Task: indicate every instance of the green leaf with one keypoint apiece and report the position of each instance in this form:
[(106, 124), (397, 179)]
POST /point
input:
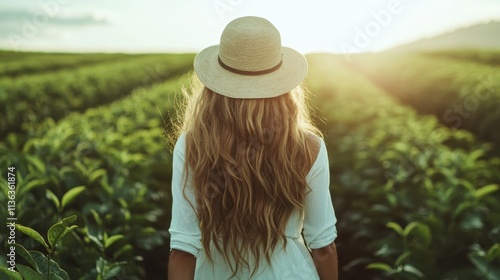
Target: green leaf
[(411, 269), (28, 273), (401, 258), (482, 265), (93, 235), (42, 266), (71, 195), (96, 216), (428, 184), (393, 201), (33, 234), (21, 251), (97, 174), (54, 198), (397, 228), (470, 187), (55, 276), (14, 275), (68, 220), (420, 231), (380, 266), (31, 185), (36, 162), (112, 270), (127, 248), (112, 239), (485, 191), (463, 206), (493, 253), (60, 229), (472, 220)]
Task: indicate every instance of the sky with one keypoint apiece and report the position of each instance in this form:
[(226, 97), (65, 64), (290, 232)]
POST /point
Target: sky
[(191, 25)]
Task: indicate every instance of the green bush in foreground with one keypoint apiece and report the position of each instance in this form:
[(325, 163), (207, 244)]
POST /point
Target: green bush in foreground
[(414, 199), (39, 266), (118, 154)]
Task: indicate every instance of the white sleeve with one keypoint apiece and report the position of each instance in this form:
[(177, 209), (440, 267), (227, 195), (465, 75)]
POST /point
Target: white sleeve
[(319, 215), (184, 228)]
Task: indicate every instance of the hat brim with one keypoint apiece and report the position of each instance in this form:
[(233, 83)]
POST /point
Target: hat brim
[(289, 75)]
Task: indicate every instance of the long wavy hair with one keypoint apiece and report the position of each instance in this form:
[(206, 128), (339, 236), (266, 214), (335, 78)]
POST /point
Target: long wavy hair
[(248, 159)]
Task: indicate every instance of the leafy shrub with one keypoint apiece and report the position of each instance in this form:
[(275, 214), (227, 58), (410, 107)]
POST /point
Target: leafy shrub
[(461, 94), (42, 62), (28, 100), (413, 198), (117, 152), (39, 266), (491, 57)]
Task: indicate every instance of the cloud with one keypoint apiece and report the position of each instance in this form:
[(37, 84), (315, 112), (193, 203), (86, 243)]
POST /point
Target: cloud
[(12, 21), (88, 19), (9, 17), (19, 26)]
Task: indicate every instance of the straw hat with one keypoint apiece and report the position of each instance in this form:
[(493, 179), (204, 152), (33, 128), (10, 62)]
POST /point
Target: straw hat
[(250, 62)]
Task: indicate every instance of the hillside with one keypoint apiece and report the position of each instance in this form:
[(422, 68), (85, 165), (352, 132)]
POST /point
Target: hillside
[(480, 36)]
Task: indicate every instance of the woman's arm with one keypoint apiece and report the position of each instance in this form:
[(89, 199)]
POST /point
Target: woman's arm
[(181, 265), (325, 260)]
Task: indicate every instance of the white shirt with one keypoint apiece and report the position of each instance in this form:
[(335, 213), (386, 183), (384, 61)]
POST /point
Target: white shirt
[(318, 222)]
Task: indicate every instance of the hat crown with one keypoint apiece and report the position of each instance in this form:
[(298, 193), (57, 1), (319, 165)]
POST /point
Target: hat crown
[(250, 44)]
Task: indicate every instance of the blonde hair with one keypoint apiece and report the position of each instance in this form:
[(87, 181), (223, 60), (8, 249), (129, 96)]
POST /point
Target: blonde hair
[(248, 159)]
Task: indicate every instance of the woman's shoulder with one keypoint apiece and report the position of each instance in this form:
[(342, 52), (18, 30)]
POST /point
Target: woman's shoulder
[(180, 143), (315, 142), (317, 147)]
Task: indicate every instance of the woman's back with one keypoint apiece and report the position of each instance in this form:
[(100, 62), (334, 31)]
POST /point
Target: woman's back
[(317, 220), (250, 169)]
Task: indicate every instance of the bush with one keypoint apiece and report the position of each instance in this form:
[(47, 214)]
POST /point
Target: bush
[(414, 199), (118, 156), (461, 94), (28, 100), (27, 63)]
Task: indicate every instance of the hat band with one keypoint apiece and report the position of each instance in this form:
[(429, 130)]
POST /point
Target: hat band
[(252, 73)]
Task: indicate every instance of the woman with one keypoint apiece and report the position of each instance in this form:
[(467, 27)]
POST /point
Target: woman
[(250, 171)]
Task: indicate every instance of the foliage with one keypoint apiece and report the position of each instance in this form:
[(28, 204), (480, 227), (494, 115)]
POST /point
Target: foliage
[(39, 266), (483, 56), (413, 198), (462, 94), (115, 160), (26, 63), (28, 100)]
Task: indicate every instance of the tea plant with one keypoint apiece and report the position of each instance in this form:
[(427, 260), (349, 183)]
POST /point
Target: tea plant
[(434, 186), (118, 153), (28, 100), (40, 266), (31, 63), (461, 94)]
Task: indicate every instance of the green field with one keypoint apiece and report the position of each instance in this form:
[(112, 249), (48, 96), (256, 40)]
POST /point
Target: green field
[(414, 180)]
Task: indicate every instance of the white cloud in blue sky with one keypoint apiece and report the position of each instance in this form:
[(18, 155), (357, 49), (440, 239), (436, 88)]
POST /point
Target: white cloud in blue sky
[(190, 25)]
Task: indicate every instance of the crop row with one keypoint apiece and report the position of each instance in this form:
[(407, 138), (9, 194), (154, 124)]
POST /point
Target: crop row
[(461, 94), (29, 99), (118, 153), (30, 64), (414, 199), (478, 56)]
